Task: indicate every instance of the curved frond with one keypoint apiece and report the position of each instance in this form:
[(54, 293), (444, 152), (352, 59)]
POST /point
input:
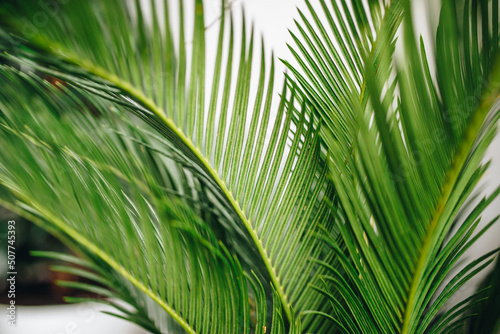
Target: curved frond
[(271, 190), (78, 174), (406, 147)]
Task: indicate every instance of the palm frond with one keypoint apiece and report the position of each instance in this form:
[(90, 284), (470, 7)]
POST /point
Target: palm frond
[(77, 174), (406, 149), (111, 50)]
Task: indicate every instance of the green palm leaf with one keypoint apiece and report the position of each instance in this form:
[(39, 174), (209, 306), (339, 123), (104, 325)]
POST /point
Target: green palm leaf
[(406, 153), (264, 190), (74, 173)]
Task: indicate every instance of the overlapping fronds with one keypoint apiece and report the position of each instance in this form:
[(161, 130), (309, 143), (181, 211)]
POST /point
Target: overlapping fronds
[(268, 191), (406, 143), (364, 235)]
